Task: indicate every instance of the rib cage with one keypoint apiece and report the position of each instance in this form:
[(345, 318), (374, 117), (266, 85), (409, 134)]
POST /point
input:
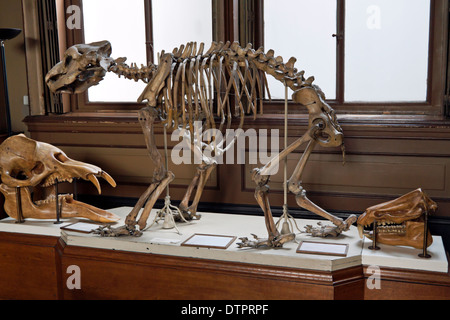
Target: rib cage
[(226, 81)]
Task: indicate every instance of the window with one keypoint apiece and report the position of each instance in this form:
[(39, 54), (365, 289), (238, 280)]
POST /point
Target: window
[(358, 50), (126, 32), (305, 32), (386, 50), (142, 24), (368, 56)]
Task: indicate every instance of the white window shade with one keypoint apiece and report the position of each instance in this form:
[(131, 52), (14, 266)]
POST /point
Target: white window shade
[(174, 22), (303, 29), (123, 24), (178, 22), (386, 54)]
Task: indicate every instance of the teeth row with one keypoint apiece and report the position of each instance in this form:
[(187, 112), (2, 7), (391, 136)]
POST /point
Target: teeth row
[(52, 198), (392, 229), (382, 223), (51, 180), (385, 223)]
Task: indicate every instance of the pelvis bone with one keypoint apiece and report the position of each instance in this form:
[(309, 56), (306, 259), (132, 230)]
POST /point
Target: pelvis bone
[(400, 221), (33, 168)]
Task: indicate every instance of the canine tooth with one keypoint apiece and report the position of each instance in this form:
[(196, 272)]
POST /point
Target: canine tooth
[(361, 231), (94, 180), (108, 178)]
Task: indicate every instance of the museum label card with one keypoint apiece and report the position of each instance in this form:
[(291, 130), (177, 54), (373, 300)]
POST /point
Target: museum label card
[(325, 248), (84, 227), (209, 241)]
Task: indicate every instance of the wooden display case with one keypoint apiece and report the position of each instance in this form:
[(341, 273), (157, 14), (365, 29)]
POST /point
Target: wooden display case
[(36, 256)]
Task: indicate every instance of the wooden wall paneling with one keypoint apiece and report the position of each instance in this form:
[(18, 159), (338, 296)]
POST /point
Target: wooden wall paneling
[(364, 176), (29, 267), (384, 160)]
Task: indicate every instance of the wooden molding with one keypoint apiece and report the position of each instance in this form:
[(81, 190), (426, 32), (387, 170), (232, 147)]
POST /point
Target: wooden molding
[(386, 157)]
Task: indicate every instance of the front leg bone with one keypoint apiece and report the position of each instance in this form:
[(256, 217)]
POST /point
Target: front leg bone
[(261, 178), (161, 178), (199, 181), (302, 200), (275, 239)]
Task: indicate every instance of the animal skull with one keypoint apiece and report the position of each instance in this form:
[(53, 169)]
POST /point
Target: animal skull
[(36, 166), (83, 66), (400, 221)]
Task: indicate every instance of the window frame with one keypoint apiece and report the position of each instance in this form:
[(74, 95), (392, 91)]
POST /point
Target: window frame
[(433, 105), (244, 20), (80, 102)]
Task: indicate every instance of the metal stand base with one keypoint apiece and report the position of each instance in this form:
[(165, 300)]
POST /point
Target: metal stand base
[(58, 211), (374, 240), (20, 218), (424, 253)]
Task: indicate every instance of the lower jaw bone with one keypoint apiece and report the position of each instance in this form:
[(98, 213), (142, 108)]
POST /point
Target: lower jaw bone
[(46, 209)]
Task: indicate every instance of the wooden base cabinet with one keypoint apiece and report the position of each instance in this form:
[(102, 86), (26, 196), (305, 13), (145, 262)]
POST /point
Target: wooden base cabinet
[(42, 267), (30, 266), (123, 275)]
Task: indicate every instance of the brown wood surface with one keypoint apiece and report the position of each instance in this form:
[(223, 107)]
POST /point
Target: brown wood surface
[(386, 158), (398, 284), (110, 274), (29, 266), (35, 267)]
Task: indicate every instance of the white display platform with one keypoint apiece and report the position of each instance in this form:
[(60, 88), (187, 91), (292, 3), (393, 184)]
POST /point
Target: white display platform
[(157, 240), (35, 226), (406, 257)]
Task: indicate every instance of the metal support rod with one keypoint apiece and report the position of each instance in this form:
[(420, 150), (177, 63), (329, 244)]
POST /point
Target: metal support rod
[(5, 84), (424, 253), (374, 240), (75, 189), (58, 211), (166, 157), (285, 141), (166, 212), (20, 218)]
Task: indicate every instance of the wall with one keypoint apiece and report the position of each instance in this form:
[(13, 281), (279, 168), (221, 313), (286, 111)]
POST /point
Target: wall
[(11, 17), (384, 160)]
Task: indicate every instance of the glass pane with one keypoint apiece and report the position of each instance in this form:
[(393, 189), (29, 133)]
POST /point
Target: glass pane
[(104, 21), (386, 54), (303, 29), (178, 22)]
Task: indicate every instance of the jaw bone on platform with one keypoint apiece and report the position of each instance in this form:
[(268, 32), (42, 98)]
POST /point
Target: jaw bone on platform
[(33, 168)]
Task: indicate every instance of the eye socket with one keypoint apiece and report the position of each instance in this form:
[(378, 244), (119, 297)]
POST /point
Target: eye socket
[(61, 157), (19, 175), (68, 60), (38, 168)]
